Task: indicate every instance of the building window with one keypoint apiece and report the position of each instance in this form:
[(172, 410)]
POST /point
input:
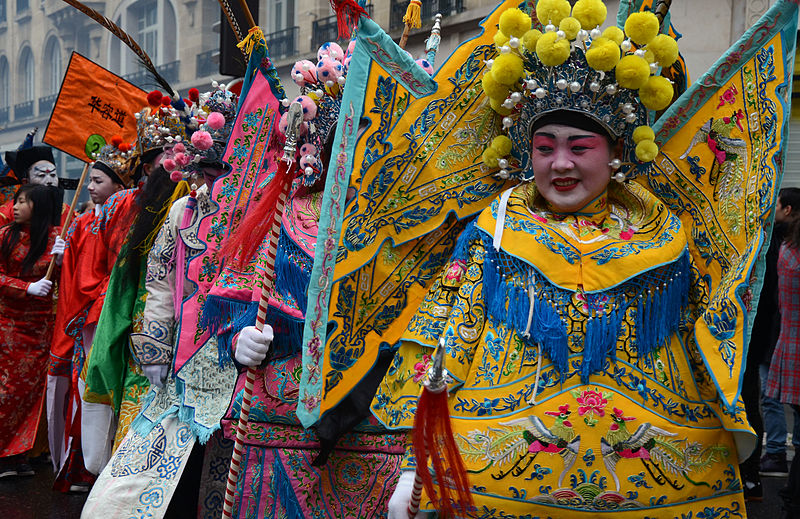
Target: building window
[(280, 13), (4, 97), (2, 11), (53, 67), (153, 25), (26, 76), (22, 6)]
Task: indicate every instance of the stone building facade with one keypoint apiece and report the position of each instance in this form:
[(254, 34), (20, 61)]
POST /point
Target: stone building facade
[(37, 38)]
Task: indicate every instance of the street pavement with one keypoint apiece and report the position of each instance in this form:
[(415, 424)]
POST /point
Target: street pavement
[(33, 498)]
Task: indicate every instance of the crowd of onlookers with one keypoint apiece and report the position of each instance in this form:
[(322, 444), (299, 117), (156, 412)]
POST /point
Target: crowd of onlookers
[(772, 377)]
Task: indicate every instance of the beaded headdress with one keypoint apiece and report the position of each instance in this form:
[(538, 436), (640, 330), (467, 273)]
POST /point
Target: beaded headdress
[(115, 160), (213, 114), (571, 65), (321, 86)]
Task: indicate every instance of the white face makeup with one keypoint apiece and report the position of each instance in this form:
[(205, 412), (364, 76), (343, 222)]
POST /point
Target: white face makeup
[(43, 172)]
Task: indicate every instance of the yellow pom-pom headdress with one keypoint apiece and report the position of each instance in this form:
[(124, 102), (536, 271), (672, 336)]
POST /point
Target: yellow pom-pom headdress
[(568, 63)]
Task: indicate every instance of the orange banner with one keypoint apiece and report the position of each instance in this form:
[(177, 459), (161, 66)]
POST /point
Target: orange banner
[(93, 105)]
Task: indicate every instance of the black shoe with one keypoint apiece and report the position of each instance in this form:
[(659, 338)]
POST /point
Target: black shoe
[(753, 491), (7, 470), (24, 469), (774, 465)]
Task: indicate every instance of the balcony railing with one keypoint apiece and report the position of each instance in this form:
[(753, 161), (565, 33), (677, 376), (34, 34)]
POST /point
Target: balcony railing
[(46, 104), (208, 63), (145, 81), (429, 10), (4, 115), (23, 110), (282, 43), (326, 29)]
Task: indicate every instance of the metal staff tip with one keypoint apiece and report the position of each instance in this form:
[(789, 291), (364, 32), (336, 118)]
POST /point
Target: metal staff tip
[(294, 118), (437, 375)]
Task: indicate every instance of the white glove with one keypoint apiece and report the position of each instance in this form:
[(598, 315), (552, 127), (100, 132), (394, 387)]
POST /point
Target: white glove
[(155, 373), (58, 247), (40, 288), (398, 504), (251, 346)]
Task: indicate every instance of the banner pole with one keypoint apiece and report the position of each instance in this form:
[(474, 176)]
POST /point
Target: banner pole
[(75, 197)]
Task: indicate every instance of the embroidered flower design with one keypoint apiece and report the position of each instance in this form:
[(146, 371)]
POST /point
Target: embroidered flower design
[(421, 368), (591, 402), (627, 234), (456, 271)]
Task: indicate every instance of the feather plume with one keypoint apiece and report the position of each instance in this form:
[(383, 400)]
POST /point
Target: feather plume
[(125, 38)]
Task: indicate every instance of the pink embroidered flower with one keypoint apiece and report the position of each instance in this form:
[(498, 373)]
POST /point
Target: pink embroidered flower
[(591, 402), (456, 271), (627, 234), (421, 368)]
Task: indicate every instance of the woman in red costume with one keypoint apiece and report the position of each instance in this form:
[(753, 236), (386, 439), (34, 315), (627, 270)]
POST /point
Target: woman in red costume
[(26, 320)]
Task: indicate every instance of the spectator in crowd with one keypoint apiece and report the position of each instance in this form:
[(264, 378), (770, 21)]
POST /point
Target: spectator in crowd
[(26, 320)]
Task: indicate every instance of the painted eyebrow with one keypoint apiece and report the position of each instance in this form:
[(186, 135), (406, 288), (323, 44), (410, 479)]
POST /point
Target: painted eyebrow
[(569, 139)]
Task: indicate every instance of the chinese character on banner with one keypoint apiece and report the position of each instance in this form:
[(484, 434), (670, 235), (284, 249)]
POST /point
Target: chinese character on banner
[(93, 105)]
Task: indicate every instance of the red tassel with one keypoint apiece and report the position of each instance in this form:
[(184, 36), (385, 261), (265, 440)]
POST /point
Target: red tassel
[(347, 14), (433, 438), (248, 235)]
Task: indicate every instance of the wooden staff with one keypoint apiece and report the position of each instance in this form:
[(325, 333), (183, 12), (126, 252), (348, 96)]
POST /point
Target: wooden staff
[(412, 20), (294, 119), (78, 190)]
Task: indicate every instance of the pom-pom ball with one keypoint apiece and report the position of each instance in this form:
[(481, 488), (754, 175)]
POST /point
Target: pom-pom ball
[(614, 34), (551, 50), (643, 133), (646, 151), (508, 68), (202, 140), (309, 107), (304, 73), (169, 164), (332, 50), (552, 11), (497, 106), (530, 38), (215, 120), (641, 27), (179, 148), (176, 176), (570, 26), (657, 92), (165, 101), (490, 157), (501, 145), (514, 22), (194, 95), (328, 69), (492, 88), (425, 65), (154, 98), (665, 49), (590, 13), (500, 38), (603, 54), (632, 72), (116, 140)]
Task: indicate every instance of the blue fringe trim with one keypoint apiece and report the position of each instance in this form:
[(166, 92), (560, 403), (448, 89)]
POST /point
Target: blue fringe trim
[(655, 301), (225, 317), (282, 487)]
